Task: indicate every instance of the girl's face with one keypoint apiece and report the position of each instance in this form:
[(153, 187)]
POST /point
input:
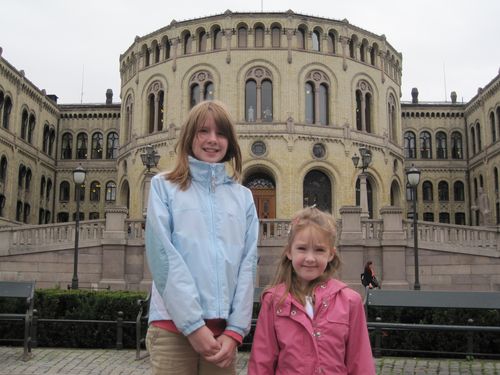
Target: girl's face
[(209, 144), (310, 253)]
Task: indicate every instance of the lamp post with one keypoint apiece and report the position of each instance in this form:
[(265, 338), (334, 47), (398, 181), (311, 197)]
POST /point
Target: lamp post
[(413, 176), (150, 157), (366, 159), (78, 178)]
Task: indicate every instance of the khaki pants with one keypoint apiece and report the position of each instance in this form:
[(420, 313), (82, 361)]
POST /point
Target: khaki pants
[(172, 354)]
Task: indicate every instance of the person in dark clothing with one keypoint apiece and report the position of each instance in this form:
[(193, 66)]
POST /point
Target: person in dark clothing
[(368, 278)]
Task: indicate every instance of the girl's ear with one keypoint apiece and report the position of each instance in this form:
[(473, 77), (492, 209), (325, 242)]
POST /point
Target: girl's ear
[(332, 253), (289, 255)]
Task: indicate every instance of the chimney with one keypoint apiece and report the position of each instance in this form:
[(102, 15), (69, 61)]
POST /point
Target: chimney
[(453, 97), (53, 97), (414, 95), (109, 96)]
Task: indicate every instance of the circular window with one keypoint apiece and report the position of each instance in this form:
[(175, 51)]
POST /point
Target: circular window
[(319, 151), (258, 148)]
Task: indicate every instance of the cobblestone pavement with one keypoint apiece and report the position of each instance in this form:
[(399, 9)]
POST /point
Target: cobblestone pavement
[(52, 361)]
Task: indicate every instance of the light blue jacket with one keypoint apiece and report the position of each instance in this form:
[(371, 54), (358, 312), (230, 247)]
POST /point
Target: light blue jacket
[(201, 246)]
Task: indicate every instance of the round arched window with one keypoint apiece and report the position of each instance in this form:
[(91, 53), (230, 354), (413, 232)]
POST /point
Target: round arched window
[(319, 151), (258, 148)]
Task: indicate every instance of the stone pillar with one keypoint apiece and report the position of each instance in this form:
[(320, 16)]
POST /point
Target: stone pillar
[(147, 185), (363, 196), (351, 245), (393, 275), (113, 249)]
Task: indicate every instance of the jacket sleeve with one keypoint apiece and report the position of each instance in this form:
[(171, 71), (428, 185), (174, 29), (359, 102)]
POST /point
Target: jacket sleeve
[(359, 359), (240, 315), (171, 276), (265, 349)]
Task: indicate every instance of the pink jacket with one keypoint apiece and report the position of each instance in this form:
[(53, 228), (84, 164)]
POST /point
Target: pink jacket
[(335, 342)]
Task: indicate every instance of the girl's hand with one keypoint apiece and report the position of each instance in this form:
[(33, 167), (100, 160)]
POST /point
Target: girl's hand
[(226, 355), (203, 342)]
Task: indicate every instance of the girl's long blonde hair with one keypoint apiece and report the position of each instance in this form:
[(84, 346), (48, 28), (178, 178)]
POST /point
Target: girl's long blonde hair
[(325, 223), (184, 147)]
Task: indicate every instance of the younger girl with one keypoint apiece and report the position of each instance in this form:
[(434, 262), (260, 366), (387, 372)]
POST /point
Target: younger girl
[(201, 243), (310, 323)]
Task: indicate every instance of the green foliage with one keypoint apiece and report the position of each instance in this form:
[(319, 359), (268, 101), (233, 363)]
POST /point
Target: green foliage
[(77, 305), (402, 341)]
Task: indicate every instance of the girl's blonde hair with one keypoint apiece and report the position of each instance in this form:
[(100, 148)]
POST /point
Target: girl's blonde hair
[(184, 147), (325, 223)]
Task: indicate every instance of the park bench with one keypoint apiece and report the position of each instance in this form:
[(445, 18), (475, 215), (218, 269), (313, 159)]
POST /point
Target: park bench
[(430, 299), (20, 290)]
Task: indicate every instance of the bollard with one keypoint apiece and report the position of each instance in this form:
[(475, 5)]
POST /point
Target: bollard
[(34, 324), (119, 331), (470, 342), (378, 338)]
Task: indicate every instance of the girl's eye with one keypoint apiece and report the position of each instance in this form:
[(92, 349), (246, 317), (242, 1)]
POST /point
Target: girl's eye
[(203, 130), (321, 250)]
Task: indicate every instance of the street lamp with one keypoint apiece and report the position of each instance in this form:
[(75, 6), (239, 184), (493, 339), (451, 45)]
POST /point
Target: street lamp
[(78, 178), (366, 159), (413, 176), (150, 157)]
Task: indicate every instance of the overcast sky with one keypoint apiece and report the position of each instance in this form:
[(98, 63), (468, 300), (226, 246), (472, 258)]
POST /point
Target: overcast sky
[(447, 45)]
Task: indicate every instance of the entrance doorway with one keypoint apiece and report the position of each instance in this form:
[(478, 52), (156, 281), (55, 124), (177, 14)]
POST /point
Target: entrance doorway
[(264, 194)]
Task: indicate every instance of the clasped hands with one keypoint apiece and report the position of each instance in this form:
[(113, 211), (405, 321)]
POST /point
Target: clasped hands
[(221, 350)]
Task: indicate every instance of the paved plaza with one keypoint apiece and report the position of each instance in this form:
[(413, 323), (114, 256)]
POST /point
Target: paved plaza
[(52, 361)]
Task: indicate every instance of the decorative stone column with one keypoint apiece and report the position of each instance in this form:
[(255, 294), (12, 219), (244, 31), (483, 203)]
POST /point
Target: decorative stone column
[(393, 267), (350, 241), (113, 249)]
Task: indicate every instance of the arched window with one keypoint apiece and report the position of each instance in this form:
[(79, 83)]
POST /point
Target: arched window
[(52, 139), (19, 211), (202, 41), (495, 179), (242, 37), (391, 115), (331, 41), (364, 104), (42, 187), (97, 140), (156, 96), (129, 117), (410, 147), (352, 52), (166, 46), (95, 191), (187, 43), (110, 191), (64, 191), (373, 54), (21, 176), (3, 169), (217, 38), (316, 37), (444, 217), (456, 145), (259, 95), (493, 127), (46, 137), (202, 87), (24, 124), (31, 128), (427, 191), (473, 140), (259, 37), (93, 215), (301, 38), (81, 146), (441, 146), (2, 204), (478, 135), (67, 146), (49, 189), (27, 183), (317, 189), (276, 36), (62, 217), (425, 145), (112, 146), (147, 55), (317, 98), (443, 192), (26, 213), (362, 50), (6, 112), (428, 216)]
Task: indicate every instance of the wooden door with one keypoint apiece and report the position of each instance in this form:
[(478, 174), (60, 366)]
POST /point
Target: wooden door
[(265, 202)]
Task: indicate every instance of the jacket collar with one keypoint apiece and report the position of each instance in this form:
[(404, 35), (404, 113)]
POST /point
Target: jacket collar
[(204, 172)]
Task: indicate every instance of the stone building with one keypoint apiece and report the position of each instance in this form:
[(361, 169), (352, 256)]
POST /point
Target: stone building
[(307, 93)]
